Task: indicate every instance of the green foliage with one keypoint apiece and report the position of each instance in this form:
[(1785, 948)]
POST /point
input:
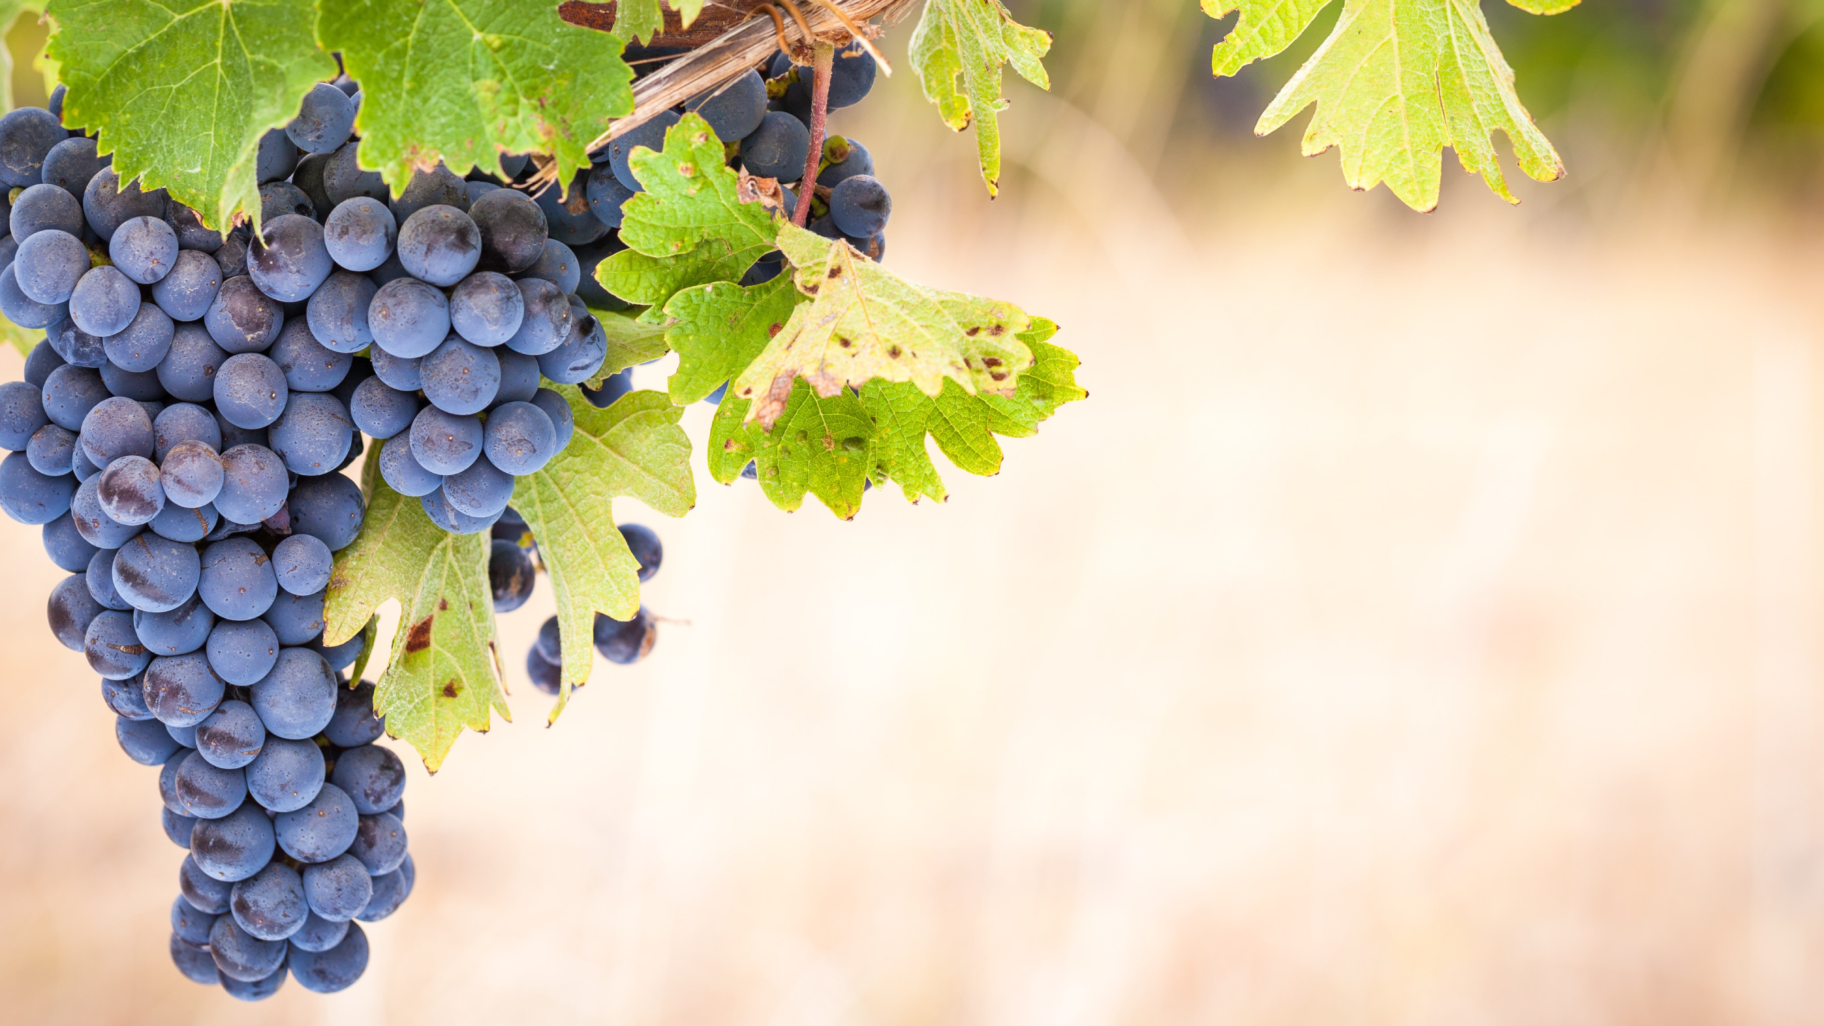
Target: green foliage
[(630, 343), (821, 445), (720, 329), (466, 80), (444, 671), (633, 448), (972, 39), (865, 323), (689, 227), (1395, 83), (643, 19), (180, 91)]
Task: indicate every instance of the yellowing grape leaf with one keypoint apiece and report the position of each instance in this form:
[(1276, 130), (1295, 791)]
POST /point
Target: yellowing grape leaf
[(689, 227), (632, 448), (180, 91), (964, 425), (466, 80), (1395, 83), (973, 38), (444, 671), (643, 19), (721, 328), (865, 322), (819, 444)]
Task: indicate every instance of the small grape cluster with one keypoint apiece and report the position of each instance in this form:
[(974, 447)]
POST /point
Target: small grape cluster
[(513, 574)]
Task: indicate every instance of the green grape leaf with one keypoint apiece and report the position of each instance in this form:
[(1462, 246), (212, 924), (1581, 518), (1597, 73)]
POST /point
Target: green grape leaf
[(1395, 83), (690, 226), (643, 19), (721, 328), (180, 91), (865, 322), (964, 425), (466, 80), (444, 671), (635, 448), (822, 445), (630, 343), (973, 38)]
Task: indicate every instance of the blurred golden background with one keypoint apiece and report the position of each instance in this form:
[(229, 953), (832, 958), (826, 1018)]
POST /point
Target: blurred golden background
[(1418, 624)]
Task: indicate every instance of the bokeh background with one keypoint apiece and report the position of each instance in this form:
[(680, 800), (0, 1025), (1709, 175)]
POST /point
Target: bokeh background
[(1418, 624)]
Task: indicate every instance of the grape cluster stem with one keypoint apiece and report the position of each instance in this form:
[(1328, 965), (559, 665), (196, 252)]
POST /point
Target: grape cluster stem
[(824, 60)]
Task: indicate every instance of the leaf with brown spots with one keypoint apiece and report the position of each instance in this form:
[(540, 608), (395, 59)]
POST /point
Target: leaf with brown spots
[(720, 329), (865, 322), (633, 448), (824, 446), (443, 674)]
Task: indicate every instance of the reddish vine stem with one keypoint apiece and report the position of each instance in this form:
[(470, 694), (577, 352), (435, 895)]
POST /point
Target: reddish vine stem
[(824, 55)]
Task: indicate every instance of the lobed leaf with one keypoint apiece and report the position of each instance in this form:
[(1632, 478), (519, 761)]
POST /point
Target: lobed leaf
[(633, 448), (180, 91), (720, 328), (643, 19), (971, 39), (444, 673), (466, 80), (864, 322), (1394, 84), (823, 445)]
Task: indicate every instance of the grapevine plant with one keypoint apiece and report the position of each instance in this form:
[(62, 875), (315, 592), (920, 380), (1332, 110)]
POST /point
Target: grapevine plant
[(250, 242)]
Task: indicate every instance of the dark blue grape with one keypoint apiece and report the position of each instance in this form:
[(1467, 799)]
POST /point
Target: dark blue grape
[(546, 318), (145, 342), (26, 136), (588, 288), (241, 318), (486, 308), (519, 378), (250, 390), (519, 439), (51, 450), (733, 109), (296, 699), (76, 347), (568, 217), (395, 372), (129, 491), (70, 165), (482, 491), (582, 354), (289, 259), (192, 474), (208, 792), (777, 149), (177, 631), (460, 377), (439, 244), (451, 519), (338, 313), (193, 961), (188, 371), (513, 230), (360, 233), (389, 270), (402, 471), (22, 309), (181, 690), (231, 737), (167, 774), (319, 934), (254, 481), (188, 291), (546, 676), (21, 414), (71, 609), (42, 361), (320, 830), (607, 197), (407, 317), (339, 657), (143, 388), (847, 158), (390, 891), (49, 264), (238, 954), (302, 564), (296, 619), (42, 208), (95, 526), (476, 191), (114, 428), (191, 923), (233, 435), (280, 198), (333, 970), (104, 301), (99, 578), (643, 542), (380, 411), (324, 121), (437, 186), (354, 722), (329, 508), (563, 419), (286, 775), (242, 652), (191, 232), (185, 736), (337, 889), (344, 179), (256, 990), (650, 135), (177, 828), (314, 433), (66, 545), (550, 641), (201, 890), (231, 256), (145, 741), (269, 904), (860, 206), (184, 524), (144, 248), (308, 365), (445, 443), (510, 576), (613, 387), (156, 574), (33, 498), (851, 76), (557, 264), (625, 641), (237, 581), (277, 157), (234, 847)]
